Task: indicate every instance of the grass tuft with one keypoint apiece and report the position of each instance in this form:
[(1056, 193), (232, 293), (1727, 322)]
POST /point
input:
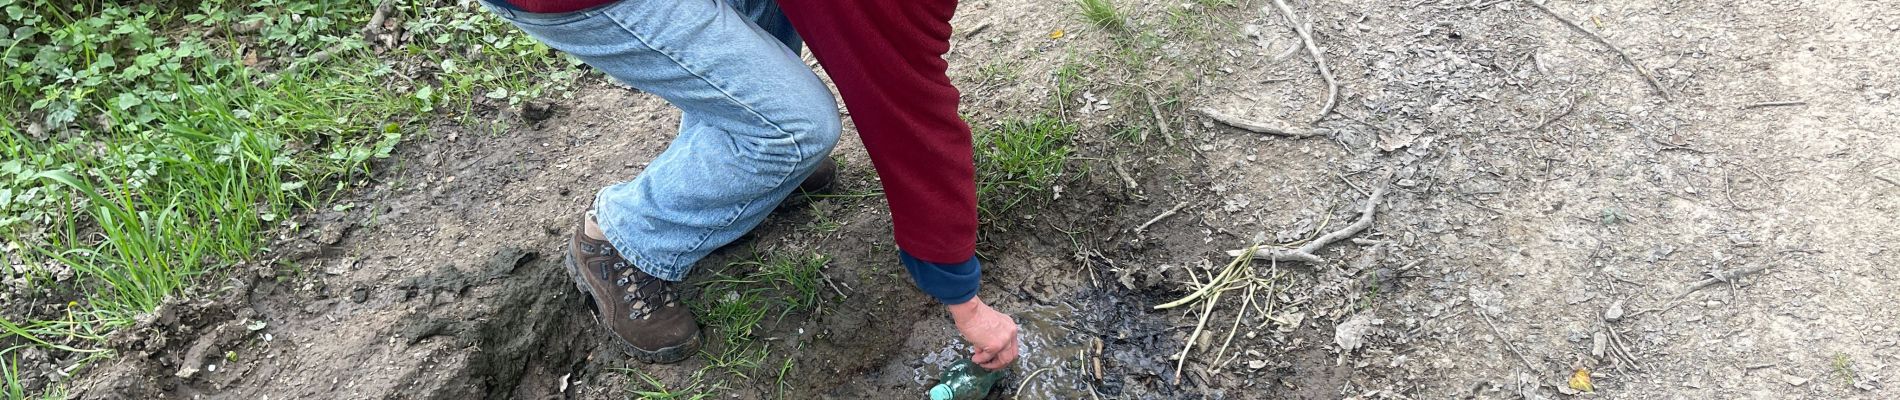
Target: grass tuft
[(1018, 159), (10, 386), (736, 305), (1102, 13), (696, 389)]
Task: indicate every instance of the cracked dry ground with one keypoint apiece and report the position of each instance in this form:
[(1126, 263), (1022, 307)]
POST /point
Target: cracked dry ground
[(1544, 199)]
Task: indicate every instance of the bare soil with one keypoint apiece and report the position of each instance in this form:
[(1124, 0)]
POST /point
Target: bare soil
[(1544, 198)]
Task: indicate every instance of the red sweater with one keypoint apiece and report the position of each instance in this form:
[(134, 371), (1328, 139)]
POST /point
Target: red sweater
[(886, 56)]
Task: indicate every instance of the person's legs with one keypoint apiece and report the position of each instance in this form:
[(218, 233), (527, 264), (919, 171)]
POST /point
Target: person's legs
[(767, 15), (755, 120), (755, 123)]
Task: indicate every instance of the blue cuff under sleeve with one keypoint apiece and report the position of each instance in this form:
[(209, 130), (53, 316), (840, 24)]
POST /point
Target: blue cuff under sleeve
[(949, 283)]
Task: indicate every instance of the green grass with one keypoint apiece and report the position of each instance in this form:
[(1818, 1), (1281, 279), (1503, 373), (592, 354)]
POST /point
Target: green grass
[(1068, 79), (1018, 159), (824, 216), (143, 152), (10, 386), (998, 71), (696, 389), (1102, 13), (737, 314), (748, 294), (13, 385), (1844, 367)]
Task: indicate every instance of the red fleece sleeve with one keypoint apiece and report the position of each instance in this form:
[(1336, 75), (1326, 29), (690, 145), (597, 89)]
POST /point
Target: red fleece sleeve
[(886, 56)]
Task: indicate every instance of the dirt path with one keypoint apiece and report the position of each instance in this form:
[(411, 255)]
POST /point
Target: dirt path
[(1544, 199)]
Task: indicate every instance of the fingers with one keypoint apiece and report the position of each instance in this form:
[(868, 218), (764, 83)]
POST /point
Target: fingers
[(1000, 361), (983, 357), (999, 358)]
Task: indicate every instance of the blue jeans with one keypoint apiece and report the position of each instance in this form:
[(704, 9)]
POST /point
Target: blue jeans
[(756, 121)]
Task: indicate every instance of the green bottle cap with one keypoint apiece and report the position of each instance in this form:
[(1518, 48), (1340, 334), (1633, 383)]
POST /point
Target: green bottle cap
[(940, 392)]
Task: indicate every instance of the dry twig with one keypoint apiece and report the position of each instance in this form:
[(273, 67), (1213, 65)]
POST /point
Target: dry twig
[(1888, 180), (1305, 253), (1158, 218), (1507, 342), (1620, 349), (1775, 104), (1257, 127), (1306, 37), (1722, 277), (1714, 278), (1160, 124), (1123, 173), (1653, 83)]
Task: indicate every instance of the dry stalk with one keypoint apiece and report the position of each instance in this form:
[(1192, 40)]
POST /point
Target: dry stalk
[(1181, 359), (1237, 275)]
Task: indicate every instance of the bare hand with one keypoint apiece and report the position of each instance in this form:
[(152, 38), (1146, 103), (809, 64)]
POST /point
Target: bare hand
[(991, 333)]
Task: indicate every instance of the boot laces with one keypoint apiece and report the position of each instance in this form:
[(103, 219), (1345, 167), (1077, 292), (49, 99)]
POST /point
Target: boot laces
[(645, 294)]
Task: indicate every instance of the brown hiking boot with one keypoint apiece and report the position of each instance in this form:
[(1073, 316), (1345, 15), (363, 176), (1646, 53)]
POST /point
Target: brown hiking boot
[(644, 312), (821, 179)]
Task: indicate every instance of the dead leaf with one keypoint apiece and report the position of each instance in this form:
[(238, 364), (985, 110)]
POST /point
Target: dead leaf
[(1396, 140), (1352, 333), (1581, 381), (1057, 34)]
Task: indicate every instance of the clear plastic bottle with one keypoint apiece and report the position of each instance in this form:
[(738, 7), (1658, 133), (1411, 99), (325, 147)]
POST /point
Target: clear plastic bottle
[(964, 381)]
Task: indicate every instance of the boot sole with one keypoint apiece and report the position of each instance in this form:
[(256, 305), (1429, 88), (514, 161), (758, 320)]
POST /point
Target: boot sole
[(664, 355)]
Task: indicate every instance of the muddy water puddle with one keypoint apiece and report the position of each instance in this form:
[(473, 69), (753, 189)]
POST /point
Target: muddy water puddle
[(1054, 362)]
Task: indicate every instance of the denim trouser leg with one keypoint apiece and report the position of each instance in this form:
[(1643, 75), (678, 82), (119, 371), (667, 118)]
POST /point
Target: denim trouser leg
[(755, 120)]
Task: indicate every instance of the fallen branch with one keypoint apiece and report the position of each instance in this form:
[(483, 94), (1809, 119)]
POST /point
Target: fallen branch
[(1653, 83), (1306, 37), (1257, 127), (1158, 218), (1306, 252)]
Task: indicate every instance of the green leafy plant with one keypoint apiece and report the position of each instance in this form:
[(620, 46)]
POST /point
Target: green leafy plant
[(150, 144)]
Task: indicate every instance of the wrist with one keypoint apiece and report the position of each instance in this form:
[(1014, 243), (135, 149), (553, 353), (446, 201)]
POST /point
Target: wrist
[(965, 309)]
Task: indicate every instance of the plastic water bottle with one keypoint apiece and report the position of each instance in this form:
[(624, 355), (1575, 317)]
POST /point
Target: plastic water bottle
[(964, 381)]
